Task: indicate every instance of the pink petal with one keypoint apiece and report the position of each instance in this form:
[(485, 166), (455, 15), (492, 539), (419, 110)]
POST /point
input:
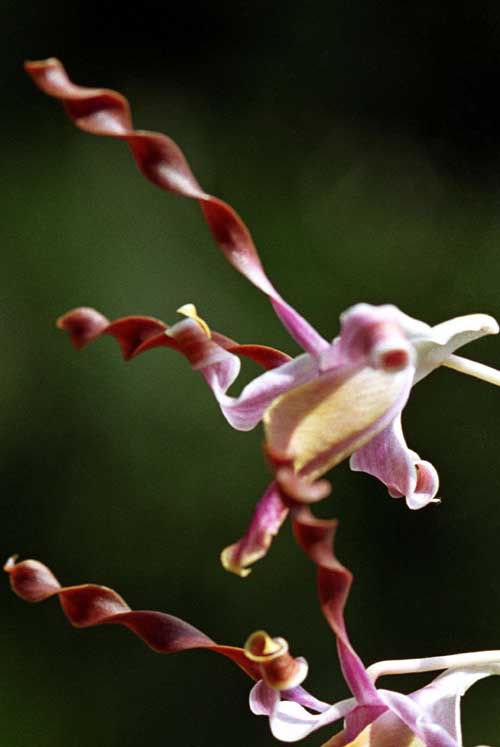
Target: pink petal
[(388, 458), (269, 515), (440, 699), (372, 335), (418, 722), (263, 699), (246, 410)]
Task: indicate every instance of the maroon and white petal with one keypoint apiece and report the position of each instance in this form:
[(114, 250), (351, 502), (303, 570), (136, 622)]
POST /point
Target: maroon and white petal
[(220, 368), (387, 457), (315, 537)]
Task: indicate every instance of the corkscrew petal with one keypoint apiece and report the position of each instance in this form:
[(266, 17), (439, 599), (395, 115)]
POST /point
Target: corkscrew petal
[(91, 604), (104, 112), (87, 605), (316, 538)]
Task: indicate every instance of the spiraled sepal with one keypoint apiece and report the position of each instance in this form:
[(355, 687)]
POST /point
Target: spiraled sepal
[(316, 537), (137, 334), (91, 604), (103, 112)]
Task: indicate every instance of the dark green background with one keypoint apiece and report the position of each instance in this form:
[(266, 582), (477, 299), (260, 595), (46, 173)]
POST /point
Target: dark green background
[(361, 143)]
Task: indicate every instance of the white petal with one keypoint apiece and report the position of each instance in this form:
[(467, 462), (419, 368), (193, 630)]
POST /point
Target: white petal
[(291, 722), (442, 340)]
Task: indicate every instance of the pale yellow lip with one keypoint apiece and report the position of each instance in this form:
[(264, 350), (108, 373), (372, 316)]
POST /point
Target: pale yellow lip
[(310, 420)]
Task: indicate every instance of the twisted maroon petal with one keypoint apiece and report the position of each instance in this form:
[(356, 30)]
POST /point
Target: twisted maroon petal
[(104, 112), (84, 325), (315, 537), (90, 604), (136, 334)]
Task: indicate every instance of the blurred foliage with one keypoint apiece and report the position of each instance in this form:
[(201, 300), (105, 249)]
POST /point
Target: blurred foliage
[(361, 143)]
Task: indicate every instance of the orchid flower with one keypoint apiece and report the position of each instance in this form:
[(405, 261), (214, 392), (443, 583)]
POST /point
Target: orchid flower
[(429, 717), (374, 717), (338, 399)]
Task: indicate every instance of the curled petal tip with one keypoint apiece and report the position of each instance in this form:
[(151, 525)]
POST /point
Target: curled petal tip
[(230, 562), (106, 113), (278, 668), (260, 647), (83, 325), (270, 513), (426, 487), (31, 580), (490, 325), (91, 604), (487, 324)]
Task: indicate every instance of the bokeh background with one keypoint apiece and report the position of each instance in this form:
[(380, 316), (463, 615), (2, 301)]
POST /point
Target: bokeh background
[(360, 141)]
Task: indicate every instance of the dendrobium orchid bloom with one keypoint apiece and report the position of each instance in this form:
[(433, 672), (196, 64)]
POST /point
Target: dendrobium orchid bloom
[(429, 717), (338, 399), (374, 717)]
